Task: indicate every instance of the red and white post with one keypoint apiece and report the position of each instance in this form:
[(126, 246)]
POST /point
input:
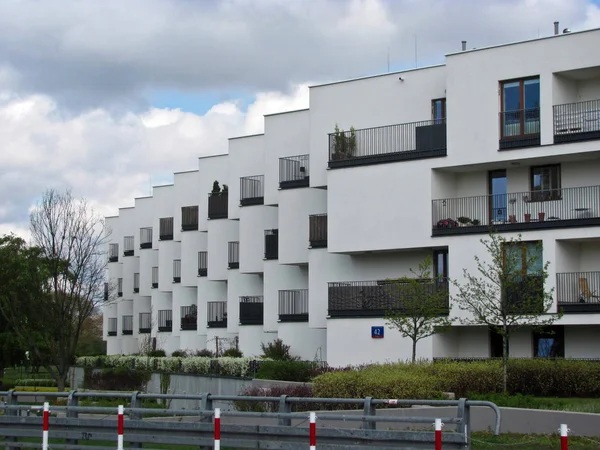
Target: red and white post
[(120, 430), (564, 437), (46, 426), (217, 445), (313, 431), (438, 434)]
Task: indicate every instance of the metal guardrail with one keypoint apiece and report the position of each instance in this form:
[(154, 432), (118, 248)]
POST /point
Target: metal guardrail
[(246, 430)]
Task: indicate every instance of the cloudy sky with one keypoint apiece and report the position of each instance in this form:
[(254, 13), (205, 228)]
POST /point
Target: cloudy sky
[(107, 97)]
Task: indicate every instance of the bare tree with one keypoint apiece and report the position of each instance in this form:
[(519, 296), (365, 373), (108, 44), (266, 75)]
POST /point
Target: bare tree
[(421, 305), (508, 291), (71, 237)]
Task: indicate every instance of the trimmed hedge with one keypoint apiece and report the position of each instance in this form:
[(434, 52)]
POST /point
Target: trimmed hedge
[(536, 377), (116, 379)]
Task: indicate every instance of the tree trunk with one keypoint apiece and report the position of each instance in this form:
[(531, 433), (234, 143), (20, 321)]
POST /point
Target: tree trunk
[(504, 361), (414, 351)]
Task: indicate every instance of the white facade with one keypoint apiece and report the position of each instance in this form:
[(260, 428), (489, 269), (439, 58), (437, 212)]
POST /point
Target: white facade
[(312, 222)]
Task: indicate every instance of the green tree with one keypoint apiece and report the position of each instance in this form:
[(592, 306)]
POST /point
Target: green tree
[(52, 287), (420, 305), (507, 292), (90, 341)]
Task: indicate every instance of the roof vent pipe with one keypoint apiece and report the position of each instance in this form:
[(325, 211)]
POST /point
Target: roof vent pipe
[(555, 28), (464, 45)]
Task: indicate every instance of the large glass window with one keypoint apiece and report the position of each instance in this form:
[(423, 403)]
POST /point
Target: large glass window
[(438, 110), (520, 107), (549, 342), (545, 183)]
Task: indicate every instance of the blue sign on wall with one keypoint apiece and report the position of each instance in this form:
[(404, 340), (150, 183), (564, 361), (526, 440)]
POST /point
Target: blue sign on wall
[(377, 332)]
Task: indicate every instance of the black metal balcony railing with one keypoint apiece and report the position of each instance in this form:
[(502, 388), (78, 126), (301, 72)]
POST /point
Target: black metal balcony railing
[(145, 325), (106, 291), (165, 229), (294, 172), (146, 237), (271, 244), (578, 292), (202, 264), (519, 128), (557, 208), (233, 254), (252, 190), (165, 320), (218, 205), (176, 271), (374, 298), (251, 310), (317, 230), (113, 252), (293, 305), (127, 325), (577, 121), (216, 315), (119, 287), (128, 246), (111, 329), (401, 142), (189, 218), (154, 277), (189, 317), (136, 282)]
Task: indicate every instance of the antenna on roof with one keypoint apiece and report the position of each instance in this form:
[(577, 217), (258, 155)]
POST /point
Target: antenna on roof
[(150, 185)]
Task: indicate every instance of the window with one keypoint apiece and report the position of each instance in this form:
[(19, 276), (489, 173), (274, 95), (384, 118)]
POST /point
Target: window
[(545, 183), (520, 102), (438, 110), (496, 344), (524, 257), (440, 265), (549, 342), (523, 282)]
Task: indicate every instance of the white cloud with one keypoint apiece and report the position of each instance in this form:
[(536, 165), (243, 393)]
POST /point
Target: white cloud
[(109, 159)]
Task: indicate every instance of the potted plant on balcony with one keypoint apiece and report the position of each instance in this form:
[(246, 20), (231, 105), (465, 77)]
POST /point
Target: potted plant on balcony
[(527, 214), (344, 145), (216, 189), (225, 190), (541, 216), (512, 218), (463, 221)]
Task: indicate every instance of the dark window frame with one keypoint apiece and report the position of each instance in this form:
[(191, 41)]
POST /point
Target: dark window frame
[(442, 101), (538, 194), (556, 332), (521, 81)]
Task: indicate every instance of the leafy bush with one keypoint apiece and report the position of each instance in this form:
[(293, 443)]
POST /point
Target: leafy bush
[(285, 371), (299, 390), (277, 351), (233, 353), (205, 353), (116, 379), (157, 353), (179, 354)]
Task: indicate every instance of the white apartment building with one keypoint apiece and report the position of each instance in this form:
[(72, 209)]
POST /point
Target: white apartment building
[(310, 224)]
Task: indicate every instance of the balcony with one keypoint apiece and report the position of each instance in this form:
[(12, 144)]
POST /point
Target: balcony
[(401, 142), (127, 326), (216, 315), (146, 237), (165, 229), (155, 277), (251, 310), (189, 318), (218, 205), (119, 287), (293, 305), (189, 218), (136, 282), (317, 230), (176, 271), (113, 253), (520, 211), (271, 244), (233, 255), (575, 122), (111, 326), (252, 190), (294, 172), (145, 326), (202, 264), (578, 292), (128, 246), (519, 128), (374, 298), (165, 320)]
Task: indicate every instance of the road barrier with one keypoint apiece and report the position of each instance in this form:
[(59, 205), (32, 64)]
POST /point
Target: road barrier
[(242, 429)]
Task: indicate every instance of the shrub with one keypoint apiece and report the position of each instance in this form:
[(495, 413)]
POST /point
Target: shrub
[(277, 351), (205, 353), (37, 382), (233, 353), (299, 390), (179, 354), (285, 371), (157, 353), (116, 379)]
